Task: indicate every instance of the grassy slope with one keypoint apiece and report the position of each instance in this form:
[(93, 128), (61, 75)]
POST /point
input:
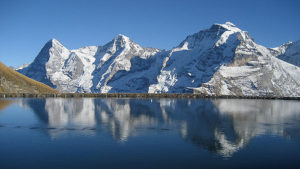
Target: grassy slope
[(14, 82)]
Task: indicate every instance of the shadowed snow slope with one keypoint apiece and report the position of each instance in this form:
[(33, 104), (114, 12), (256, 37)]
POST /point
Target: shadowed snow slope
[(221, 60)]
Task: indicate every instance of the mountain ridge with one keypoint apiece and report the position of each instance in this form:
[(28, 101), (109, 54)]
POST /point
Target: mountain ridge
[(198, 64)]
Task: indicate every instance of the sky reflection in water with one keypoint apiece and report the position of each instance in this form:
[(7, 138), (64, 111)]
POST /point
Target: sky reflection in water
[(220, 126)]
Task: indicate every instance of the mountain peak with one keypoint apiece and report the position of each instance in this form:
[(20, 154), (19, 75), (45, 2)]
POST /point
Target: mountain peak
[(121, 37), (120, 41), (54, 42), (216, 35), (228, 26)]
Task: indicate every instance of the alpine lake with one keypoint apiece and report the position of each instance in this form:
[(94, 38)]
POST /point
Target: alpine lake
[(149, 133)]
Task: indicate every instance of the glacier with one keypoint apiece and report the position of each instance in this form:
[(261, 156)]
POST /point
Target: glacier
[(220, 60)]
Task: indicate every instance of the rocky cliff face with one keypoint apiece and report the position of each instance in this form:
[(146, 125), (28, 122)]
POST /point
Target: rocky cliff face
[(221, 60)]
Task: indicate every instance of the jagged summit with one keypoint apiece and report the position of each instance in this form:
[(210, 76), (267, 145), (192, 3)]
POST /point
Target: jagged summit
[(121, 39), (229, 23), (53, 42), (117, 43), (121, 36), (229, 26), (216, 35)]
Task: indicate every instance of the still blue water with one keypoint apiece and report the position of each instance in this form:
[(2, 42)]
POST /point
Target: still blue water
[(149, 133)]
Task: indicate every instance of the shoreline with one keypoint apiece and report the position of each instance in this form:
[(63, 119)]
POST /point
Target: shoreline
[(138, 95)]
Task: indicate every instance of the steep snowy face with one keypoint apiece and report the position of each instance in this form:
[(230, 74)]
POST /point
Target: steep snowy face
[(63, 69), (225, 60), (47, 64), (198, 57), (289, 52), (124, 66), (254, 71), (79, 67)]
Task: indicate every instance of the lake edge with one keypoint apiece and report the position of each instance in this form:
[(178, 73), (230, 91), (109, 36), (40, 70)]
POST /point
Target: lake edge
[(138, 95)]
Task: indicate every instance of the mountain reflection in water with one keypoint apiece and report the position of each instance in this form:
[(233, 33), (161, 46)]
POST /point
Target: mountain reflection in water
[(222, 125)]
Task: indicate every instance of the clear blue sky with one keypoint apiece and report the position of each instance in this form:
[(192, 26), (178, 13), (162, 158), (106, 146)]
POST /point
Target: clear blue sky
[(26, 25)]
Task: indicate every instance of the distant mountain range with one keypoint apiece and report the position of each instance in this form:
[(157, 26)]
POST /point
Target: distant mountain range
[(14, 82), (221, 60)]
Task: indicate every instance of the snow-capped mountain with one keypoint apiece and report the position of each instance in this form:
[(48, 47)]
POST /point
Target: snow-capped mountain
[(289, 52), (255, 70), (96, 68), (221, 60), (197, 58)]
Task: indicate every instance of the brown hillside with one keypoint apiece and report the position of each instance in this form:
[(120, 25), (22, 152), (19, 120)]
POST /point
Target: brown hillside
[(14, 82)]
